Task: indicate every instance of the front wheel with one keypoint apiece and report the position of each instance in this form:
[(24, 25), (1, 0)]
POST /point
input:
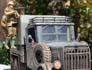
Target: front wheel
[(40, 68), (29, 69), (42, 53)]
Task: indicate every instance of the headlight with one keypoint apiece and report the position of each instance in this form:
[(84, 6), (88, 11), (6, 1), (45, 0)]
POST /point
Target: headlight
[(57, 64)]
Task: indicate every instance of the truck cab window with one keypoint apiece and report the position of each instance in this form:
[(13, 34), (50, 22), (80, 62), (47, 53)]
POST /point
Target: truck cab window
[(29, 38), (31, 31)]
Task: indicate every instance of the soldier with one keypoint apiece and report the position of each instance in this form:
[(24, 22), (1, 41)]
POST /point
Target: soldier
[(9, 21)]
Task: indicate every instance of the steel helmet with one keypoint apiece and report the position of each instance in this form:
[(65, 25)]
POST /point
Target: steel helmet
[(11, 3)]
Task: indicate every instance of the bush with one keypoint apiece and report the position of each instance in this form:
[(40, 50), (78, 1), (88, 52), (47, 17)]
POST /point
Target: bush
[(4, 54)]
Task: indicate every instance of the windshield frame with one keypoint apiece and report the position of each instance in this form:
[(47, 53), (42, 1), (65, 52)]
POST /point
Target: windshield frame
[(41, 34)]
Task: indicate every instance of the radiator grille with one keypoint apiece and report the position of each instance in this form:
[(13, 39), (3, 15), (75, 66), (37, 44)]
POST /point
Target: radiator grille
[(57, 54), (77, 58)]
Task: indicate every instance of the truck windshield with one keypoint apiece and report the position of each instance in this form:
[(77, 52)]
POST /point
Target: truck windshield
[(60, 33)]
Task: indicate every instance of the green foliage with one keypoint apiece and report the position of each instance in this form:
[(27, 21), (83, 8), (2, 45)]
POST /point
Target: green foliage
[(34, 6), (84, 24), (41, 7), (4, 57)]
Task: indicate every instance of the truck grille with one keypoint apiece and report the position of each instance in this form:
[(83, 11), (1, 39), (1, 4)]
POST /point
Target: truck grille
[(77, 58), (57, 54)]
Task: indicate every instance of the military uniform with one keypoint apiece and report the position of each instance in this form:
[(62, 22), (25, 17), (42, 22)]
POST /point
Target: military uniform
[(9, 20)]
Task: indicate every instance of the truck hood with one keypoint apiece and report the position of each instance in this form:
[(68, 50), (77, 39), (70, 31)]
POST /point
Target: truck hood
[(65, 44)]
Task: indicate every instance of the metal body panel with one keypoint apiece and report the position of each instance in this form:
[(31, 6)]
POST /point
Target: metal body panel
[(27, 19), (73, 55), (73, 44), (72, 58)]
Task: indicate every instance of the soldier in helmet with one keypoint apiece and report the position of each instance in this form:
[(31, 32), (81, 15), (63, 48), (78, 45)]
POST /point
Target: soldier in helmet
[(9, 21)]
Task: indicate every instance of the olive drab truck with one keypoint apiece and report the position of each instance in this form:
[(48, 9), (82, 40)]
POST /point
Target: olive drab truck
[(48, 43)]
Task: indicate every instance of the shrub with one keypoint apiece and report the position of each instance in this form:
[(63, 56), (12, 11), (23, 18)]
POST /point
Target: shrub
[(4, 56)]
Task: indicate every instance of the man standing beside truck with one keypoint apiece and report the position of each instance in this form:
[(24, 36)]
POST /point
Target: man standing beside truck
[(9, 22)]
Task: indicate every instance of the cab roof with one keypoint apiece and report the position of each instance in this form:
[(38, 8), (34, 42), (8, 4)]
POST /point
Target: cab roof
[(46, 20)]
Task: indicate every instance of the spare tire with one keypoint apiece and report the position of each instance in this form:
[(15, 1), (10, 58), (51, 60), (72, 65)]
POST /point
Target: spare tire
[(42, 53)]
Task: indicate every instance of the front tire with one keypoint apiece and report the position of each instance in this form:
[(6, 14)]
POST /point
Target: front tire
[(42, 53), (40, 68)]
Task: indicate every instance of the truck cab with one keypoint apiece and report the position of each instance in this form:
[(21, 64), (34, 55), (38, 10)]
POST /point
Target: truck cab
[(48, 43)]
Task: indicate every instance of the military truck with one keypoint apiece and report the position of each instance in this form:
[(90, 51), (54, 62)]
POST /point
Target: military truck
[(48, 43)]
